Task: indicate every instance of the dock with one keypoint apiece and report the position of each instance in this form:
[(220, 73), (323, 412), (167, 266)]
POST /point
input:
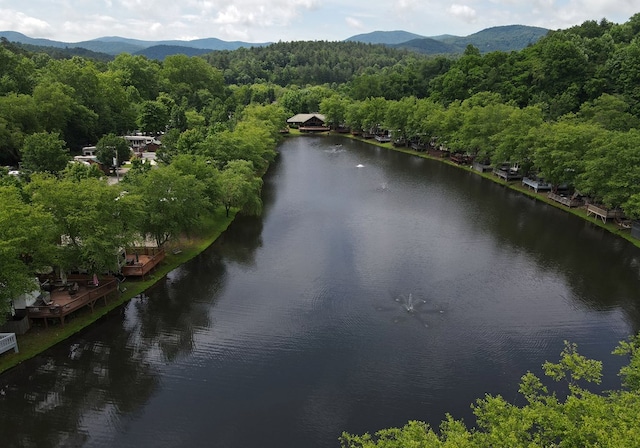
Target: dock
[(142, 260), (569, 201), (604, 213), (536, 184), (507, 173), (67, 298)]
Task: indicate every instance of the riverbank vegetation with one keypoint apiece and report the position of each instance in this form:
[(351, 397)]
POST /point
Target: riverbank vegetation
[(566, 109), (574, 417)]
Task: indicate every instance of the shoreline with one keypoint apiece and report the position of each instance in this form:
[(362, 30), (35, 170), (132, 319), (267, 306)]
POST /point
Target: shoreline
[(580, 212), (38, 339)]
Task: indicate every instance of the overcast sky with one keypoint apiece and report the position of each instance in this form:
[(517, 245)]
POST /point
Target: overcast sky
[(289, 20)]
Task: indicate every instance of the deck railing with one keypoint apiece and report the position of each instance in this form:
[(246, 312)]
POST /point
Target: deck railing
[(83, 298), (8, 341), (604, 213), (140, 269), (569, 201)]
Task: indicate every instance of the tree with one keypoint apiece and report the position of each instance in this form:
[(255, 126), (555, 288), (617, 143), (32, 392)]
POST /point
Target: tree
[(203, 170), (334, 108), (110, 148), (138, 72), (240, 188), (172, 202), (612, 168), (78, 171), (611, 112), (582, 419), (514, 141), (26, 244), (398, 116), (93, 219), (560, 149), (185, 76), (44, 152), (154, 117)]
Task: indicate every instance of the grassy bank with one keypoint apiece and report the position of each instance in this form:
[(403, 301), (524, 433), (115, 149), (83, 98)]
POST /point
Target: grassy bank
[(38, 339)]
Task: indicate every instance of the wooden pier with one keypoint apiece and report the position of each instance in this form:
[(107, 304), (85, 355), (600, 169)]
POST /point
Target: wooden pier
[(142, 260), (536, 184), (507, 173), (604, 213), (77, 293), (461, 159), (569, 201)]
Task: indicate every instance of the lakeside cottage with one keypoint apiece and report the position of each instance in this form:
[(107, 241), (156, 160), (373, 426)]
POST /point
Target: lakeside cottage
[(308, 122)]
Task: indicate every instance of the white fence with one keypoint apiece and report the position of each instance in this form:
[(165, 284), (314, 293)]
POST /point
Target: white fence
[(7, 342)]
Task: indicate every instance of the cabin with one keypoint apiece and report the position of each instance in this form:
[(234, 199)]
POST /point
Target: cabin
[(139, 143), (308, 122)]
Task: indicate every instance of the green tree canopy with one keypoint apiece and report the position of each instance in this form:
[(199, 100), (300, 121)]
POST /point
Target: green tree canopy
[(581, 419), (240, 188), (27, 240), (44, 152), (110, 148)]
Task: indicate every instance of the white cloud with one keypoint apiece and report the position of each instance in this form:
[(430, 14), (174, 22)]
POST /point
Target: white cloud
[(354, 23), (463, 12), (18, 21), (273, 20)]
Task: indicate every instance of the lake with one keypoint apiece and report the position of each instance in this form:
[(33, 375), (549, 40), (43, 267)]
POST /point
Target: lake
[(377, 287)]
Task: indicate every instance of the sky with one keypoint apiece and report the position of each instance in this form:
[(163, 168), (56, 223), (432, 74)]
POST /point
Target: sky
[(291, 20)]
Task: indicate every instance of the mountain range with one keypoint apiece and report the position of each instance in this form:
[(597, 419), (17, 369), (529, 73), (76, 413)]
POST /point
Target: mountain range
[(502, 38)]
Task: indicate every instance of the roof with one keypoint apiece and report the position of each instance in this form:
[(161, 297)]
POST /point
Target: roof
[(303, 118)]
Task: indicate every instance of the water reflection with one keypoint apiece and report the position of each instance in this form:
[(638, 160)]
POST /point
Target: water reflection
[(47, 402), (362, 298)]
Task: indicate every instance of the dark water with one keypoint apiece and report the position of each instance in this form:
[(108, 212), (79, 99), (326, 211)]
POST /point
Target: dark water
[(364, 297)]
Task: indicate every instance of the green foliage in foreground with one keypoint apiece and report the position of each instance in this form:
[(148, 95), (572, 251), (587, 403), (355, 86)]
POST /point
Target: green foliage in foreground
[(582, 419)]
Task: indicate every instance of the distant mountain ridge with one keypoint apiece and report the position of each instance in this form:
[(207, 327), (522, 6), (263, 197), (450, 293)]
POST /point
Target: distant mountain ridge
[(500, 38), (385, 37), (114, 45)]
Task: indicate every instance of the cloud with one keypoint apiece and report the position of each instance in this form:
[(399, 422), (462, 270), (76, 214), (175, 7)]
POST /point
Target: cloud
[(18, 21), (354, 23), (463, 12)]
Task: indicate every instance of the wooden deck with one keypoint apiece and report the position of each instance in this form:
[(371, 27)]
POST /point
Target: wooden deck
[(481, 167), (77, 293), (461, 159), (569, 201), (507, 173), (604, 213), (142, 260), (536, 184)]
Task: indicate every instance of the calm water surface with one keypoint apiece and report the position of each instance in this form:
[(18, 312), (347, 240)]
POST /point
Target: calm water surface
[(362, 298)]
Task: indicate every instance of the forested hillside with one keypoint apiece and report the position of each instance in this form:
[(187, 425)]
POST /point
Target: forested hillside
[(302, 63)]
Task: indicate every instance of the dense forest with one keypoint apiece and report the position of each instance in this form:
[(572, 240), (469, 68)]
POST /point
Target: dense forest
[(566, 108)]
